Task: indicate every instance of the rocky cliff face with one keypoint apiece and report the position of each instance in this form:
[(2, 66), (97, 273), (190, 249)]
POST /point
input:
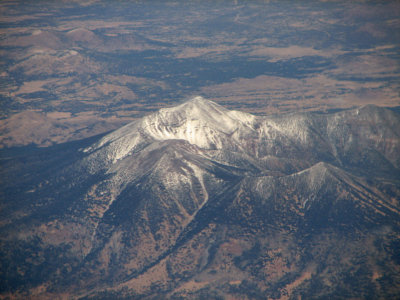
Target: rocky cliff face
[(201, 202)]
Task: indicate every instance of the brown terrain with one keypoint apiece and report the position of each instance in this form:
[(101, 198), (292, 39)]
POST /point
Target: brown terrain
[(66, 74)]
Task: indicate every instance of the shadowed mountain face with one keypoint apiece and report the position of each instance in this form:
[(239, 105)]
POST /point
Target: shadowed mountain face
[(198, 201)]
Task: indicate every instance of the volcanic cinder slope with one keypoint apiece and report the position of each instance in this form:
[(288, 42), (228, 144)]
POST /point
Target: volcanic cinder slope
[(196, 201)]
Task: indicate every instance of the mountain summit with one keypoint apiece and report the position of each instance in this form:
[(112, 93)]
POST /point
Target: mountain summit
[(200, 201), (223, 134), (198, 121)]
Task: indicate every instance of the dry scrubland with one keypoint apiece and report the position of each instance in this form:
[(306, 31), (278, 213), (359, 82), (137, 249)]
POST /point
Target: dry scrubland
[(72, 70)]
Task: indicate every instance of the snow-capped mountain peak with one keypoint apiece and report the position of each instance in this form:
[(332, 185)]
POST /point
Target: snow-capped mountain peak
[(204, 111), (242, 140), (198, 121)]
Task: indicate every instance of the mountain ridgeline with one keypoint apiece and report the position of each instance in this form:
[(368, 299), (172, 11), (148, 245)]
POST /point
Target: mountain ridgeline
[(199, 202)]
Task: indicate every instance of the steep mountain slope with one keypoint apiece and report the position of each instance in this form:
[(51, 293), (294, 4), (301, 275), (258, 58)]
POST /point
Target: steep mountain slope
[(198, 201)]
